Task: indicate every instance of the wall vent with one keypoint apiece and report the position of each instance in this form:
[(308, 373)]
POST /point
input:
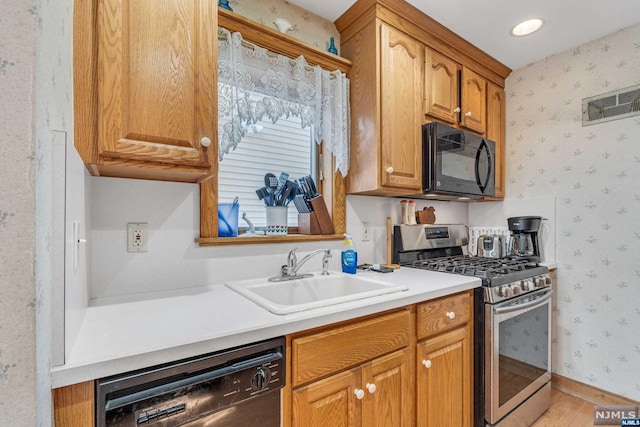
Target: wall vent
[(615, 105)]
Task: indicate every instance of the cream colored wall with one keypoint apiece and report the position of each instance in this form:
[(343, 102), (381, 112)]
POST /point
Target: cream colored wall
[(593, 172), (307, 27), (17, 214)]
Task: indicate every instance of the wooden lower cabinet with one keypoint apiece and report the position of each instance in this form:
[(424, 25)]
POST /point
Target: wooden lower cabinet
[(444, 378), (376, 394), (74, 405), (391, 402), (407, 367)]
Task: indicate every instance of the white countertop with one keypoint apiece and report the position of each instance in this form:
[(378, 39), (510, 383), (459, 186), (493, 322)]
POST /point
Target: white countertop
[(120, 336)]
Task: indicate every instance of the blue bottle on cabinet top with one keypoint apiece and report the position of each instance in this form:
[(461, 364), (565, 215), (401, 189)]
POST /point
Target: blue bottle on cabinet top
[(349, 256), (224, 4), (332, 47)]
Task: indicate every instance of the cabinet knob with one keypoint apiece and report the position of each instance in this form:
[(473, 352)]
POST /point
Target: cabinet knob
[(359, 393), (390, 169), (457, 110), (468, 114), (426, 363), (451, 314), (205, 141), (371, 387)]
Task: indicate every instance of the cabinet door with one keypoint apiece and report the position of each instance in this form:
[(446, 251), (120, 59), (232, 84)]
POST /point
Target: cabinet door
[(474, 98), (441, 90), (330, 402), (444, 377), (496, 131), (388, 392), (156, 75), (401, 62)]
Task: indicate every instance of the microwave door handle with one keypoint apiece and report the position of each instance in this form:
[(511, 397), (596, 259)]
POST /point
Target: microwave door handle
[(483, 147)]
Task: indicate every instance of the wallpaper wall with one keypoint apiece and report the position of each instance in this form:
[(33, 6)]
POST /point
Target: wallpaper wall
[(593, 172), (307, 26), (17, 215)]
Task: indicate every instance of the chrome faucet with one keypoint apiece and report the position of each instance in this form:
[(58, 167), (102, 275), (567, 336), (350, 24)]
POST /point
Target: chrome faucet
[(290, 270)]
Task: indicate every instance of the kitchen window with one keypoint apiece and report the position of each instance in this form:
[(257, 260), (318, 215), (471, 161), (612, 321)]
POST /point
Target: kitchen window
[(328, 113), (266, 147)]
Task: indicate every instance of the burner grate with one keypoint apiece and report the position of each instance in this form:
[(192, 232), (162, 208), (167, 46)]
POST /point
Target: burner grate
[(484, 268)]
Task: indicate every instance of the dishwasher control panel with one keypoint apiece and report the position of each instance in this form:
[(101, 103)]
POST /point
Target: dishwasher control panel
[(190, 390)]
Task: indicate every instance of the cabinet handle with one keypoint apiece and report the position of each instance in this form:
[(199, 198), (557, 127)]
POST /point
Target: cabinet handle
[(457, 110), (451, 314), (371, 387), (468, 114), (205, 141), (426, 363), (359, 393), (390, 169)]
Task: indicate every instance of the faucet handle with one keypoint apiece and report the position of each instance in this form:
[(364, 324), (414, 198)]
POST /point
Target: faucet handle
[(292, 259), (284, 271), (325, 262)]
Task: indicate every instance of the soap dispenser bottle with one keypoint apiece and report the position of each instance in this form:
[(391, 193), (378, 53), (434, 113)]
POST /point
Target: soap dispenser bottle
[(349, 256)]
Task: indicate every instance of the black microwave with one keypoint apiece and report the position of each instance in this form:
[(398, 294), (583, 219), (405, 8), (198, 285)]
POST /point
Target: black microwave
[(457, 164)]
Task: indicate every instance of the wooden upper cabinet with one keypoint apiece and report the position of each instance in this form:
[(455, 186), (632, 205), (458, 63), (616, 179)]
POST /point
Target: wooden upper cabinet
[(401, 103), (386, 108), (441, 91), (151, 74), (473, 101), (496, 131)]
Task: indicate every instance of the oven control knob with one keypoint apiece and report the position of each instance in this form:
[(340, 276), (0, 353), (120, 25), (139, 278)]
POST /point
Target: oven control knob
[(547, 280), (260, 379), (527, 285), (517, 289), (506, 291), (540, 282)]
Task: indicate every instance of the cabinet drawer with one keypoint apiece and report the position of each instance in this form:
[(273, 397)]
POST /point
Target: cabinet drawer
[(334, 350), (435, 316)]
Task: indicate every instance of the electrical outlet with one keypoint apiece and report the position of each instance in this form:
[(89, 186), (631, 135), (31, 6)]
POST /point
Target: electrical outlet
[(137, 236), (365, 232)]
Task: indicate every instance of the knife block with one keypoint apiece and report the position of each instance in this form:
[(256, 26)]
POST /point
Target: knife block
[(322, 214), (308, 223), (318, 221)]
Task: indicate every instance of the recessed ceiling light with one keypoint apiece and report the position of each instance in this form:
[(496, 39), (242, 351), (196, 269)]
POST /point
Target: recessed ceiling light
[(527, 27)]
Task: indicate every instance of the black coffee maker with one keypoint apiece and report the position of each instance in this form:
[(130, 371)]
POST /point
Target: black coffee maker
[(523, 242)]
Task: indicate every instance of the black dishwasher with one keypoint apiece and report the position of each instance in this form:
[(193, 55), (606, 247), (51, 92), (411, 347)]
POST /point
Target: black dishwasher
[(236, 387)]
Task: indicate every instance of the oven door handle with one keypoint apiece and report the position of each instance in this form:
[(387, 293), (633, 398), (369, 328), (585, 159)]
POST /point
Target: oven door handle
[(541, 300)]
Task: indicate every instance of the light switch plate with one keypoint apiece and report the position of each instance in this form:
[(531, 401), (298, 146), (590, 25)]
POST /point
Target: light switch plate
[(137, 236)]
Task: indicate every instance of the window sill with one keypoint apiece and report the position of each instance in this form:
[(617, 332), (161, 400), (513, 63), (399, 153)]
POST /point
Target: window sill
[(221, 241)]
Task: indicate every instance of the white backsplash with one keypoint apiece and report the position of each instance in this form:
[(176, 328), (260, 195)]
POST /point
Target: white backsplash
[(495, 214), (175, 261)]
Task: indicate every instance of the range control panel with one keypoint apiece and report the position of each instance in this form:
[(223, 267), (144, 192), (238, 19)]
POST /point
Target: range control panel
[(507, 291)]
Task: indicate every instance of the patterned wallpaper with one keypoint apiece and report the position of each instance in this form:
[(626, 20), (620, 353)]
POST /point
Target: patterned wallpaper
[(593, 172), (17, 215), (307, 26)]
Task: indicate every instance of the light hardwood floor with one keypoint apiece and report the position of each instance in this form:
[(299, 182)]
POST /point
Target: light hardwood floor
[(566, 411)]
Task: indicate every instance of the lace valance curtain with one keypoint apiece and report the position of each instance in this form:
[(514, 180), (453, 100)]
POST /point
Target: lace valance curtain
[(254, 82)]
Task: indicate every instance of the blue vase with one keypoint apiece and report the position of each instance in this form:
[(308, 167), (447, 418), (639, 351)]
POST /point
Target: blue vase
[(224, 4), (332, 47)]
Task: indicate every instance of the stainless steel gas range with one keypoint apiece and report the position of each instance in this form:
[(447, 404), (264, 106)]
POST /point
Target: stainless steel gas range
[(512, 367)]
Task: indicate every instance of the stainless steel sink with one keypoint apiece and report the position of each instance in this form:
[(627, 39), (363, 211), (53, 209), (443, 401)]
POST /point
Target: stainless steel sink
[(311, 292)]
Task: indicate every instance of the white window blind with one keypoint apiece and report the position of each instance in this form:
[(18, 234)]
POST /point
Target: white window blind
[(266, 147)]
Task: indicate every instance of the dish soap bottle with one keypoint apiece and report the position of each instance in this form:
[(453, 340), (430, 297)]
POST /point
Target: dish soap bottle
[(349, 256)]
